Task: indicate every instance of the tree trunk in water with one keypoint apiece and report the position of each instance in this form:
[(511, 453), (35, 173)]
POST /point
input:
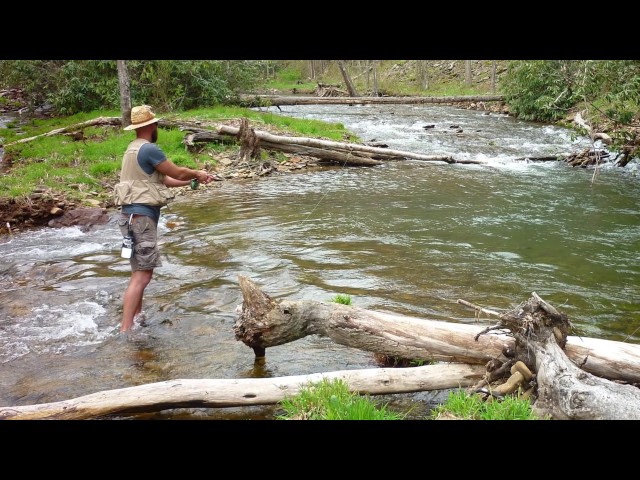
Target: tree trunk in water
[(565, 378), (347, 79), (421, 74), (324, 150), (563, 389), (125, 92), (220, 393)]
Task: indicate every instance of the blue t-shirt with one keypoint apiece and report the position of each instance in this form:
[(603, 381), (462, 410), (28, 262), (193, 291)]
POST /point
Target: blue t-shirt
[(150, 155)]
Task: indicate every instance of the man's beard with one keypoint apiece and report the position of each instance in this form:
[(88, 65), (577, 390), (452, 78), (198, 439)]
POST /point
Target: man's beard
[(154, 135)]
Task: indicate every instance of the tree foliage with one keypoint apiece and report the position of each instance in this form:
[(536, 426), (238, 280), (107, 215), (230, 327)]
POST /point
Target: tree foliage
[(606, 92), (72, 86), (541, 90), (545, 90)]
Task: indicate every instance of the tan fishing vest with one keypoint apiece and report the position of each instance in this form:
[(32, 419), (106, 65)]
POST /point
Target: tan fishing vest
[(136, 186)]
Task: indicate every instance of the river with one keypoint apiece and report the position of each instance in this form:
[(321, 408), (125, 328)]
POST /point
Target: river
[(409, 237)]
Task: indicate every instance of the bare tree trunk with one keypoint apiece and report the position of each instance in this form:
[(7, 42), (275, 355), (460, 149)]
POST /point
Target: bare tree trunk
[(493, 76), (566, 389), (249, 142), (125, 92), (562, 385), (347, 79), (312, 71), (563, 389), (375, 79), (467, 73), (265, 138), (422, 74)]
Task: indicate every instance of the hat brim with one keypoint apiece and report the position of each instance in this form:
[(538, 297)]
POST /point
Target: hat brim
[(143, 124)]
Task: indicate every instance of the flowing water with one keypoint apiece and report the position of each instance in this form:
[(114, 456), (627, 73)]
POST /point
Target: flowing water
[(409, 237)]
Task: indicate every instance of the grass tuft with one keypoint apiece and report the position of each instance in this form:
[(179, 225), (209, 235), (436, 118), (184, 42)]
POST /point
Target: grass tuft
[(463, 406), (332, 400), (343, 299)]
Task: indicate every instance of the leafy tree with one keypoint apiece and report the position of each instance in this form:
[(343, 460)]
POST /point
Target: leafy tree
[(541, 89), (607, 92), (72, 86)]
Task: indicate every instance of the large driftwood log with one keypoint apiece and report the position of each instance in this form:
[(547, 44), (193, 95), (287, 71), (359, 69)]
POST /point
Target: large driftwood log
[(560, 386), (281, 100), (274, 141), (323, 155), (204, 393), (265, 323)]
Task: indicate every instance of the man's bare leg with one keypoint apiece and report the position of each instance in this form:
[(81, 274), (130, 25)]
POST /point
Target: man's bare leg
[(132, 301)]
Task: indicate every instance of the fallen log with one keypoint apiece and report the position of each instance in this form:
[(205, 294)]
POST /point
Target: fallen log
[(323, 155), (264, 323), (560, 387), (282, 100), (280, 142), (71, 129), (560, 396), (220, 393), (338, 152)]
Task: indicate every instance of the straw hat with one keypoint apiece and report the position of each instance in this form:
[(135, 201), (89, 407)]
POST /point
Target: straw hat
[(141, 116)]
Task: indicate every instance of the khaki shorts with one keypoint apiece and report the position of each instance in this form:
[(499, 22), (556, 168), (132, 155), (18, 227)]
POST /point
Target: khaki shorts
[(145, 236)]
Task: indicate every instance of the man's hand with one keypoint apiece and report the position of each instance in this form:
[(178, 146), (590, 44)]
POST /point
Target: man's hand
[(204, 177)]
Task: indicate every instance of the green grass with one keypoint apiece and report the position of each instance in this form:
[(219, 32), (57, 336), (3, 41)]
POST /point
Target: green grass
[(289, 79), (343, 299), (303, 127), (332, 400), (473, 407), (71, 166)]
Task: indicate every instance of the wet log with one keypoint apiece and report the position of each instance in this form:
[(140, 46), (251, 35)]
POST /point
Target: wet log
[(282, 100), (282, 142), (220, 393), (359, 159), (264, 323), (568, 383)]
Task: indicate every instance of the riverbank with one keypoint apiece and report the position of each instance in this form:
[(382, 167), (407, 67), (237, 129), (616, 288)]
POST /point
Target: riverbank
[(48, 208), (50, 203)]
